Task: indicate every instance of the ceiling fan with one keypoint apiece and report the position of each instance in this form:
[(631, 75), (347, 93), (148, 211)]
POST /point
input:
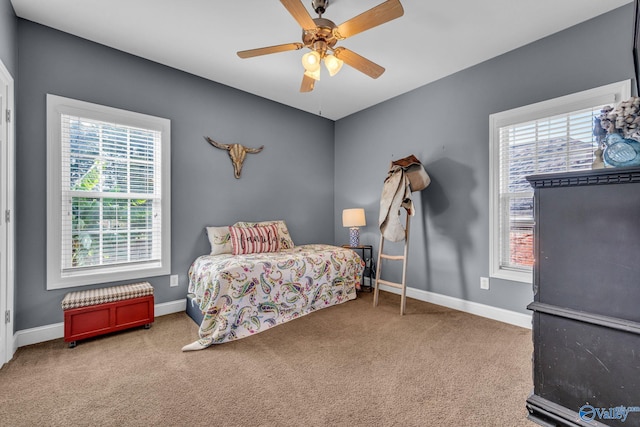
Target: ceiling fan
[(320, 35)]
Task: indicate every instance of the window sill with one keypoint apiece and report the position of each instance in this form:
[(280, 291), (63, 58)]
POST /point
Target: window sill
[(105, 276), (514, 276)]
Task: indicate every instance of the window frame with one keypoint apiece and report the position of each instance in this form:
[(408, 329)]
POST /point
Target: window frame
[(608, 94), (57, 278)]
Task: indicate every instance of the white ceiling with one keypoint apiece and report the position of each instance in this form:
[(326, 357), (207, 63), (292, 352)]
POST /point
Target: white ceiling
[(432, 40)]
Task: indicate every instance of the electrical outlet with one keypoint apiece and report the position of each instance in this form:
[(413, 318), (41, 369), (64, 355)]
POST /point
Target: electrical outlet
[(484, 283), (173, 280)]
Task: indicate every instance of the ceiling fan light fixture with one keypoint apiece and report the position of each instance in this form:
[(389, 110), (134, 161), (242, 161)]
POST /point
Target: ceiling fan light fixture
[(333, 64), (315, 75), (311, 61), (320, 36)]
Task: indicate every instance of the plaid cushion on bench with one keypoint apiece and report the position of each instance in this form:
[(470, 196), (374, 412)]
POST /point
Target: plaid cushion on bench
[(103, 295)]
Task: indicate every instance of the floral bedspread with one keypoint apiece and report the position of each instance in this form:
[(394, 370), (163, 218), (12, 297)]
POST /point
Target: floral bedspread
[(241, 295)]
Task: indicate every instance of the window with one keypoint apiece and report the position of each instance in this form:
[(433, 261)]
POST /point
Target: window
[(550, 136), (108, 194)]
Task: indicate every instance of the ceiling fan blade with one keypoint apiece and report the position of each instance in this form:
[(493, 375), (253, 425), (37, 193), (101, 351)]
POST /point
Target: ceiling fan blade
[(358, 62), (307, 83), (270, 49), (384, 12), (299, 13)]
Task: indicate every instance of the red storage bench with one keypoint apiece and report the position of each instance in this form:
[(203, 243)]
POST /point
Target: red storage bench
[(105, 310)]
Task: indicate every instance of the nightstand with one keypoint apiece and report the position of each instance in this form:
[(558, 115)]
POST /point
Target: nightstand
[(366, 253)]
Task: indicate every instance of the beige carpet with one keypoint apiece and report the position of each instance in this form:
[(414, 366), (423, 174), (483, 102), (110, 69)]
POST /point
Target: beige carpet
[(349, 365)]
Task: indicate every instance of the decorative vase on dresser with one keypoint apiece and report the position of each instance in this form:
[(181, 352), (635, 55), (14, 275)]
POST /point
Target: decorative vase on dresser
[(586, 308)]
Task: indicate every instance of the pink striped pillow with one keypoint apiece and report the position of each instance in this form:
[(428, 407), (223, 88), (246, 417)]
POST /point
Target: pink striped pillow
[(250, 240)]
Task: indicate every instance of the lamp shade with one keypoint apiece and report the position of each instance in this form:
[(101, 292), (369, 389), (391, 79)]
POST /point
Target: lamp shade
[(315, 75), (353, 218), (311, 61), (333, 64)]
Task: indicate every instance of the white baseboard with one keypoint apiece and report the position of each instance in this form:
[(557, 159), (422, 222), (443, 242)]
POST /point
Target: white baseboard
[(170, 307), (495, 313), (39, 334), (55, 331)]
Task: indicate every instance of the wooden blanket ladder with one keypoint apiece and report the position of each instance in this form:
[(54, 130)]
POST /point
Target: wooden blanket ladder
[(381, 255)]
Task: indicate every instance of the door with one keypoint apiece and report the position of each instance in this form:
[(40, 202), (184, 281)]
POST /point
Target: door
[(6, 213)]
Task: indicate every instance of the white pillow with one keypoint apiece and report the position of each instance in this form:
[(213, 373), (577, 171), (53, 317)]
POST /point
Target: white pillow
[(220, 240)]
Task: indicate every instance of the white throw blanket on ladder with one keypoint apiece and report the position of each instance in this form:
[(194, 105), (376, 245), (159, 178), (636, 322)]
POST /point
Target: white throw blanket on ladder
[(396, 194)]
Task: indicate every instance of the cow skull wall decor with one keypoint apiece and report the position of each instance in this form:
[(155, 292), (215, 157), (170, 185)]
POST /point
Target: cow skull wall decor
[(237, 153)]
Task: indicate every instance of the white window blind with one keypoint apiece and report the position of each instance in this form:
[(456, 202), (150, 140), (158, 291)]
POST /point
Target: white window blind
[(560, 143), (108, 195), (551, 136), (111, 193)]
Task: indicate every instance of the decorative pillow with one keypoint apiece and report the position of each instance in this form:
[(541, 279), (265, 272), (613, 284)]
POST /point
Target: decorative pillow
[(220, 240), (250, 240), (283, 233)]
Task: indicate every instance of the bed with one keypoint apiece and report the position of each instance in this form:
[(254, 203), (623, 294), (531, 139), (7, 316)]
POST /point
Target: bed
[(241, 294)]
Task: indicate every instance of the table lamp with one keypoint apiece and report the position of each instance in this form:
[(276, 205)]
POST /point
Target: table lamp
[(354, 218)]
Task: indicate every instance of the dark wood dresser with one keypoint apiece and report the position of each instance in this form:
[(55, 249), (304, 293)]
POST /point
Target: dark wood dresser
[(586, 308)]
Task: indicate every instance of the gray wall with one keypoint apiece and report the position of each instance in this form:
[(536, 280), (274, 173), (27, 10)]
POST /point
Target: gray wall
[(8, 36), (446, 125), (291, 179)]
